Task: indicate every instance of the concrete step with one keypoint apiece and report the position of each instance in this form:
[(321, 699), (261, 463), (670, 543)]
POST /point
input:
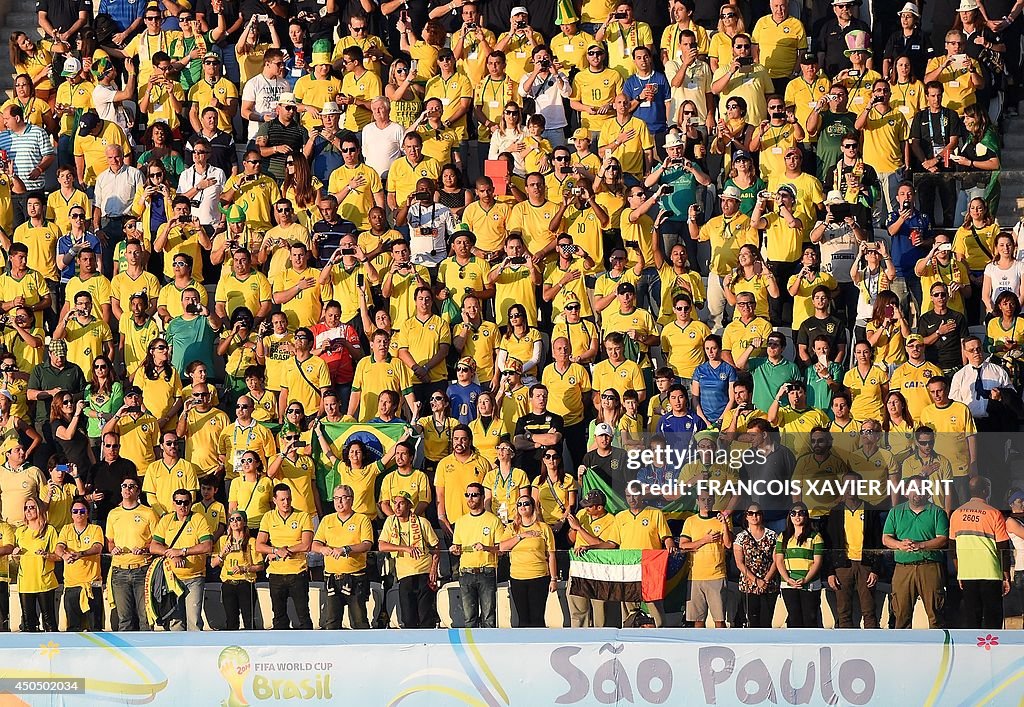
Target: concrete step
[(23, 20)]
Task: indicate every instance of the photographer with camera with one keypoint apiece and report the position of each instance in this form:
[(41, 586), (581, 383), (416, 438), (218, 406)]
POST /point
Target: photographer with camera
[(243, 287), (182, 234), (548, 85), (87, 336), (518, 42), (838, 236), (202, 184), (681, 185), (775, 214), (886, 144), (430, 225), (776, 137), (744, 78), (829, 121), (623, 33)]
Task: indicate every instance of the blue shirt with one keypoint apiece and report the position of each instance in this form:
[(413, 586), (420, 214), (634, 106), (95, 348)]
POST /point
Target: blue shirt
[(463, 401), (326, 159), (654, 114), (714, 387), (679, 431), (659, 475), (64, 244), (26, 151), (123, 12), (904, 254)]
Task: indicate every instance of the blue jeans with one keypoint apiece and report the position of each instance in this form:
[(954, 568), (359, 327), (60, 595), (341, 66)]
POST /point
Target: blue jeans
[(189, 609), (129, 588), (479, 598), (556, 136), (648, 289)]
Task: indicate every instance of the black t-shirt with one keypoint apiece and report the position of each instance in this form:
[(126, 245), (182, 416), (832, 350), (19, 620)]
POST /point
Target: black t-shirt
[(107, 477), (64, 13), (832, 42), (934, 130), (328, 237), (812, 328), (222, 151), (945, 352), (917, 47), (529, 460), (76, 449), (612, 468)]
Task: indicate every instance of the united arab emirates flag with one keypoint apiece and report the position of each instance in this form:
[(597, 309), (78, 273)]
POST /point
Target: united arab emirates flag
[(619, 575)]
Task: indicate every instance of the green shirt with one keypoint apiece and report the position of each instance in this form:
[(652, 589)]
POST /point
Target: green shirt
[(769, 378), (748, 196), (190, 341), (834, 127), (798, 558), (903, 524), (105, 405)]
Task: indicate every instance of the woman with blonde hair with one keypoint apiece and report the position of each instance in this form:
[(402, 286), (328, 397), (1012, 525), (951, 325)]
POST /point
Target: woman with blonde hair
[(405, 94), (531, 547), (510, 136), (35, 546), (730, 23), (974, 245), (239, 565), (35, 109)]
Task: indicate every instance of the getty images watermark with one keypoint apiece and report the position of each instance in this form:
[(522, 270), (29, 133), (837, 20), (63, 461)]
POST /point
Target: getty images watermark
[(715, 472)]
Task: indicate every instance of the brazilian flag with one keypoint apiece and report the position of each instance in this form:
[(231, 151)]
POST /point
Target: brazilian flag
[(377, 439)]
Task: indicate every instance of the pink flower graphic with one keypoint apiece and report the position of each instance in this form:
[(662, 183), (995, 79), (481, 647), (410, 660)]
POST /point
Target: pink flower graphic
[(988, 641)]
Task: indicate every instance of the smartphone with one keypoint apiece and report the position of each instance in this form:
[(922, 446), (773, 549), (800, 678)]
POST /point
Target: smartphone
[(946, 247), (518, 260), (348, 251), (359, 280), (840, 211), (823, 359), (853, 73), (745, 61), (890, 311), (422, 196), (133, 409), (666, 189), (63, 468), (631, 244)]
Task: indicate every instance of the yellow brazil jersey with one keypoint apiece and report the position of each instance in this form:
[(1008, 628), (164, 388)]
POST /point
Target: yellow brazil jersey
[(305, 380), (203, 93), (971, 245), (588, 233), (285, 531), (625, 376), (645, 530), (403, 175), (607, 284), (161, 481), (313, 92), (203, 437), (529, 558), (580, 335), (481, 342), (818, 497), (1001, 336), (595, 89), (130, 529), (265, 406), (196, 530), (98, 288), (216, 514), (780, 43), (59, 206), (758, 284), (170, 297), (423, 339), (912, 380), (483, 528), (630, 154), (426, 56), (35, 571), (775, 140), (356, 205), (18, 387), (255, 196), (520, 348), (86, 341), (415, 532), (237, 559), (236, 439), (738, 336), (683, 346), (486, 437), (137, 338), (809, 194), (32, 286), (277, 351), (366, 42), (640, 233), (604, 527), (554, 496), (672, 36), (459, 278), (879, 467), (415, 483), (567, 391), (621, 41), (796, 426), (505, 490), (345, 287), (908, 98), (890, 347), (572, 51), (726, 237), (373, 377), (596, 11), (533, 222), (42, 246), (514, 404), (804, 97), (304, 309), (183, 238), (161, 106), (518, 53), (92, 149), (488, 225), (122, 287), (6, 538), (451, 91), (955, 272), (490, 98), (437, 438), (473, 62), (402, 303), (845, 438), (639, 320), (751, 84), (943, 473), (672, 284), (138, 439), (159, 394), (953, 425), (803, 306), (282, 237), (866, 392), (76, 95), (85, 571), (515, 286), (34, 111), (251, 292), (884, 137), (454, 476), (299, 475), (252, 498), (708, 561), (335, 531), (958, 90), (370, 241)]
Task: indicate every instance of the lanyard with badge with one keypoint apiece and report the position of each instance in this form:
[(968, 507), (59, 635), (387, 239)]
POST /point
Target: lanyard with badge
[(250, 436)]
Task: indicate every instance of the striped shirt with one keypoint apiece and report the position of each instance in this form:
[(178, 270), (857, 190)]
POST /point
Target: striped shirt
[(798, 558), (26, 150)]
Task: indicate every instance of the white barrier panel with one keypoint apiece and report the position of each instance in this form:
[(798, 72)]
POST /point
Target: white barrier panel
[(500, 668)]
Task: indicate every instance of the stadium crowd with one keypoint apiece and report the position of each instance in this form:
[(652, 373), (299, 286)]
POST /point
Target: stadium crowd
[(536, 239)]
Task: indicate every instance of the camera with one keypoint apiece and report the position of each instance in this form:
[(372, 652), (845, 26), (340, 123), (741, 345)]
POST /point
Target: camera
[(667, 188), (778, 115), (576, 191), (348, 251), (428, 231), (263, 18), (518, 260), (745, 61), (545, 64), (698, 209), (192, 308), (766, 195), (890, 311), (619, 15), (133, 409), (833, 98), (945, 247), (471, 26), (405, 266), (840, 211), (520, 24), (875, 100), (422, 196), (631, 244)]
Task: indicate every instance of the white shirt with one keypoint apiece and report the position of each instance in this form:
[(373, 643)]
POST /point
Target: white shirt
[(107, 109), (1004, 280), (962, 388), (115, 192), (548, 94), (429, 250), (209, 198), (263, 92), (382, 146)]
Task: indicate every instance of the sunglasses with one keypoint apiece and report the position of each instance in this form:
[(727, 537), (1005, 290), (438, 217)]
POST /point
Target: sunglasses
[(797, 512), (251, 161), (248, 460), (349, 150), (463, 369), (295, 411), (754, 513), (925, 442), (170, 442), (235, 519), (682, 308), (283, 209), (551, 456), (608, 396), (595, 53), (152, 18), (79, 511), (161, 347), (129, 486), (511, 112), (436, 400), (524, 504), (179, 263), (572, 307), (243, 407), (473, 495), (357, 29), (77, 216), (181, 502), (727, 15), (211, 62), (111, 446)]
